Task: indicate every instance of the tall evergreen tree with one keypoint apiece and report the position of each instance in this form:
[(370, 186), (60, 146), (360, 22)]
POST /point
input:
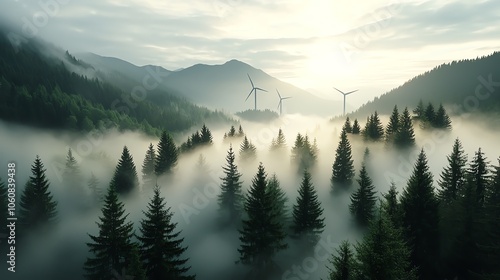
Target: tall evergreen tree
[(37, 205), (232, 132), (392, 207), (364, 199), (343, 263), (279, 199), (231, 196), (148, 167), (452, 178), (247, 150), (429, 114), (160, 245), (393, 125), (96, 193), (167, 155), (307, 211), (442, 120), (240, 131), (419, 111), (373, 129), (480, 175), (421, 218), (347, 125), (356, 129), (343, 168), (125, 178), (206, 135), (405, 137), (280, 142), (72, 178), (111, 247), (135, 267), (303, 153), (262, 236)]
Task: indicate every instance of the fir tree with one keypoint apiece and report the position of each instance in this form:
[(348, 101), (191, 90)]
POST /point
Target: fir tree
[(383, 254), (96, 193), (135, 267), (453, 176), (393, 125), (363, 200), (307, 212), (303, 153), (232, 132), (206, 135), (373, 129), (405, 137), (442, 120), (247, 150), (72, 179), (262, 236), (111, 247), (240, 132), (347, 125), (343, 263), (37, 206), (420, 111), (392, 207), (343, 168), (167, 155), (160, 245), (280, 142), (279, 199), (148, 167), (125, 178), (231, 197), (480, 175), (429, 114), (356, 129), (420, 218)]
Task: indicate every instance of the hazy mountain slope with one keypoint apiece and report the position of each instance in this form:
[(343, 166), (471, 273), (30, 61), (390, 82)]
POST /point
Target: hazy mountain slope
[(452, 83)]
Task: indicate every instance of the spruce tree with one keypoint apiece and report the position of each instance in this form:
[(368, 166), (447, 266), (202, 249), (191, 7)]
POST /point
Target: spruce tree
[(480, 175), (419, 111), (392, 207), (343, 263), (72, 174), (135, 269), (364, 199), (232, 132), (111, 247), (231, 197), (343, 168), (240, 132), (280, 143), (307, 211), (420, 218), (262, 236), (37, 205), (429, 114), (167, 156), (96, 193), (160, 245), (148, 167), (247, 150), (279, 199), (206, 135), (405, 136), (452, 178), (356, 129), (347, 125), (383, 253), (442, 120), (125, 179), (393, 125)]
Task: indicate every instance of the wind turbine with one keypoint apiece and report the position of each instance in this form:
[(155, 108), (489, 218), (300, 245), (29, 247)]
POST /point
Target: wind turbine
[(345, 94), (280, 104), (254, 90)]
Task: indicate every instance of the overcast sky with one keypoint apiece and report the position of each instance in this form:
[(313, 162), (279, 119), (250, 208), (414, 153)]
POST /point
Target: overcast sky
[(372, 45)]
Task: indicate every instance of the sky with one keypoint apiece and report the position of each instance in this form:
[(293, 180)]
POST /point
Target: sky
[(372, 46)]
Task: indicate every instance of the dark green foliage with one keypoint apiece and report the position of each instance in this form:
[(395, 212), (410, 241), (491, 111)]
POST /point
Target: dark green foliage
[(125, 179), (262, 236), (111, 248), (37, 206), (258, 115), (73, 181), (393, 126), (343, 168), (374, 130), (197, 139), (233, 134), (452, 178), (480, 175), (247, 150), (442, 120), (206, 135), (392, 207), (148, 168), (363, 200), (307, 211), (135, 267), (429, 114), (167, 156), (278, 144), (383, 254), (343, 263), (279, 199), (347, 125), (231, 197), (303, 153), (356, 129), (421, 218), (160, 245), (405, 136), (419, 111)]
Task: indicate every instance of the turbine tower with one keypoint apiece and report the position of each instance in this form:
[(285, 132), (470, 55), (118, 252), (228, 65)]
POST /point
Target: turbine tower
[(345, 94), (254, 90), (280, 104)]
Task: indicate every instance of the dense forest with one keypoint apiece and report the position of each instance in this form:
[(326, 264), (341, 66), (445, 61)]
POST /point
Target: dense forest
[(39, 88)]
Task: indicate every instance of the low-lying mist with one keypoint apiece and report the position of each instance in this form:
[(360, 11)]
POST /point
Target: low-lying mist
[(212, 250)]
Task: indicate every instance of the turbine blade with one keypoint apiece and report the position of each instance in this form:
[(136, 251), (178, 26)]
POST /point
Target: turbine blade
[(261, 89), (350, 92), (339, 90), (279, 103), (250, 81), (249, 95), (278, 93), (286, 97)]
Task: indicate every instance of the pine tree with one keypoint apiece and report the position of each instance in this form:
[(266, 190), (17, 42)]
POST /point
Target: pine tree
[(232, 132), (72, 177), (206, 135), (231, 197), (303, 153), (148, 167), (125, 179), (160, 245), (452, 178), (167, 155), (364, 199), (430, 114), (280, 142), (393, 125), (240, 132), (343, 168), (480, 175), (420, 111), (373, 129), (343, 263), (135, 267), (347, 125), (37, 206), (96, 193), (356, 129), (420, 218), (279, 199), (405, 137), (392, 207), (261, 236), (307, 212), (383, 254), (247, 150), (442, 120), (111, 247)]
